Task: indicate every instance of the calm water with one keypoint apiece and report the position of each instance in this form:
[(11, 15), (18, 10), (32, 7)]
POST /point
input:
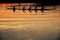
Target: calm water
[(42, 30), (33, 27)]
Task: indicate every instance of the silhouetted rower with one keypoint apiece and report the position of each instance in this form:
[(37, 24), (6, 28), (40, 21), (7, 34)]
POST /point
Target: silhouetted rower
[(14, 9), (42, 9)]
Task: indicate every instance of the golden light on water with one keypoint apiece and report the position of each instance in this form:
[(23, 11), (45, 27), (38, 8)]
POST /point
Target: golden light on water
[(29, 26)]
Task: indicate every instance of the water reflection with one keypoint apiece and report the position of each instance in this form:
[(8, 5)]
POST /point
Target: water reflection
[(29, 30)]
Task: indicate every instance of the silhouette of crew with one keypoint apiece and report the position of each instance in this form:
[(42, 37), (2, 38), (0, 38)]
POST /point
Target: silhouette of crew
[(30, 9), (14, 9), (42, 9), (23, 9), (36, 9)]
